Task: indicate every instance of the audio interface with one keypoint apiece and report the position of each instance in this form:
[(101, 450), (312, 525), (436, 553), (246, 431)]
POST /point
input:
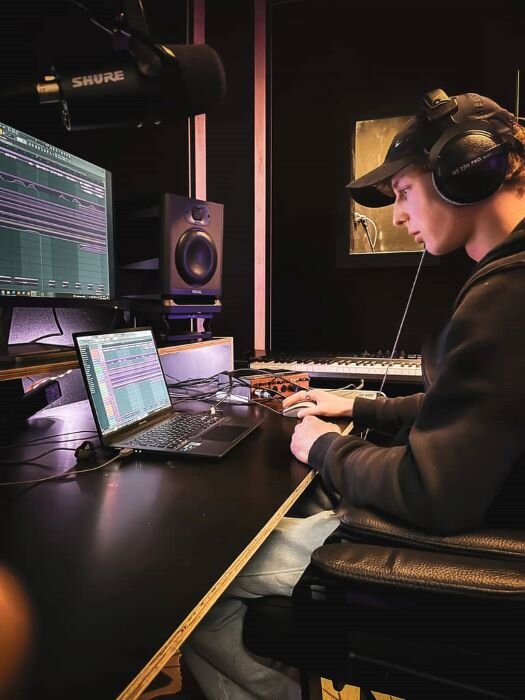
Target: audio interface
[(271, 385)]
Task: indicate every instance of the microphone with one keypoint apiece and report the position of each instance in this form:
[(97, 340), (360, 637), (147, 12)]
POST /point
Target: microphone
[(160, 83), (364, 220)]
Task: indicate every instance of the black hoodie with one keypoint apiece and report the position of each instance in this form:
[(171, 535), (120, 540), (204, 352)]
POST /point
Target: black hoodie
[(464, 458)]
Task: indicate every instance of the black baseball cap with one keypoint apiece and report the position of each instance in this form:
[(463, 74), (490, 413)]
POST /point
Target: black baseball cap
[(415, 140)]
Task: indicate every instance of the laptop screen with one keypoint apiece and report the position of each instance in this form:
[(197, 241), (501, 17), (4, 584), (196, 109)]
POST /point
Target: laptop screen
[(124, 377)]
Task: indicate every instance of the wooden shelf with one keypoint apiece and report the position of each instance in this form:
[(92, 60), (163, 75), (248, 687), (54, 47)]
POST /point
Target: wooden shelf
[(60, 366)]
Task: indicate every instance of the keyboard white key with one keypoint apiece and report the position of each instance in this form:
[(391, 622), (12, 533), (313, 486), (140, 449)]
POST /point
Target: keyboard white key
[(348, 367)]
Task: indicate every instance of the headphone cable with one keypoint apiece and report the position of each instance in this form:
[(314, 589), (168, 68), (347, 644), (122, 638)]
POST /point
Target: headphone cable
[(402, 323), (407, 306)]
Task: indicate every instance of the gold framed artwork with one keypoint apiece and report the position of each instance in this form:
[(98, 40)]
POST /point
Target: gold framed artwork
[(372, 230)]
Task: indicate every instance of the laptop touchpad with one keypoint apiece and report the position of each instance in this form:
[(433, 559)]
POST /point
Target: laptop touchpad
[(225, 433)]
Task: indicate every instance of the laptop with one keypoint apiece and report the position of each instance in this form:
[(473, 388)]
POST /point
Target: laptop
[(131, 404)]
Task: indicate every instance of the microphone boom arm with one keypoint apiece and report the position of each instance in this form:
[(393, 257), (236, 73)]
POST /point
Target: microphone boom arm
[(142, 81)]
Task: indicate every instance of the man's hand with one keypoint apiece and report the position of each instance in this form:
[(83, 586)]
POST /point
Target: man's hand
[(306, 433), (327, 404)]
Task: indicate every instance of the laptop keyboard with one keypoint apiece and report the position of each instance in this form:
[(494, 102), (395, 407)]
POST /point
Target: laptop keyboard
[(176, 431)]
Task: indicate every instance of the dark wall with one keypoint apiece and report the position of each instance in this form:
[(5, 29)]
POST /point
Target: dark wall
[(334, 63), (229, 29)]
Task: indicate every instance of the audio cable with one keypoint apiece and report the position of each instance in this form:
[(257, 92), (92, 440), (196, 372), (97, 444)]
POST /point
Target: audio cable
[(394, 348), (401, 325), (123, 453)]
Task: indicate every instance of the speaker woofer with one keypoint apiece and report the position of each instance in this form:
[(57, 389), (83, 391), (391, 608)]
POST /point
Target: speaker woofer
[(196, 257)]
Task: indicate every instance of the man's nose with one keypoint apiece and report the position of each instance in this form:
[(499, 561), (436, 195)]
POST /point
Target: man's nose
[(399, 216)]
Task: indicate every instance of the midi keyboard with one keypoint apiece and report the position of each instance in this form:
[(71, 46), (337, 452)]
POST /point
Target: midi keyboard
[(352, 367)]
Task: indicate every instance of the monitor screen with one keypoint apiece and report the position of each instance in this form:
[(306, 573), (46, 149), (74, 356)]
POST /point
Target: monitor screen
[(123, 375), (55, 223)]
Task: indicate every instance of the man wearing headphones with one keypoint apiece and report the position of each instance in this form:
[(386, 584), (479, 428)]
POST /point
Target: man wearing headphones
[(456, 176)]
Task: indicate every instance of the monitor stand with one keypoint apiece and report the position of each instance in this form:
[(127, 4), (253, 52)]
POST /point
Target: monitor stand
[(24, 353)]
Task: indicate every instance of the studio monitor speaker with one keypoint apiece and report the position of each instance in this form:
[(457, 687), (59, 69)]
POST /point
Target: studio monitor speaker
[(191, 260)]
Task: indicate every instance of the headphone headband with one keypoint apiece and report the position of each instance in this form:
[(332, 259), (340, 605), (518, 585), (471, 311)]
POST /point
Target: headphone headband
[(466, 138)]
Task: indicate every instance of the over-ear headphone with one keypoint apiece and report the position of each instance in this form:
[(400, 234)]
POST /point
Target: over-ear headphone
[(468, 157), (85, 450)]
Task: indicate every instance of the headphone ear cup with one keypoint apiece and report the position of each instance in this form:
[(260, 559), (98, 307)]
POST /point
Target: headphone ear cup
[(468, 167)]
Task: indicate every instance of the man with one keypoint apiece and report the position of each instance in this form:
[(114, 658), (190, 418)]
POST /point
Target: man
[(464, 461), (456, 176)]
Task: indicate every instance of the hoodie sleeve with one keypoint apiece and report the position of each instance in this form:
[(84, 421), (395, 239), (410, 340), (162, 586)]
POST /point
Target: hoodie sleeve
[(387, 415), (468, 433)]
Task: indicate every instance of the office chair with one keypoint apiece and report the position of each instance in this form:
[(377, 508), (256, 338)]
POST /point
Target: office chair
[(386, 607)]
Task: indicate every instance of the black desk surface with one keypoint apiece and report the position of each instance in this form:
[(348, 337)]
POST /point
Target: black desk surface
[(113, 561)]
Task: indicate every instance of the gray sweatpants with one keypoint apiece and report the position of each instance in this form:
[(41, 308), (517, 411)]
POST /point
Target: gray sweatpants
[(224, 669)]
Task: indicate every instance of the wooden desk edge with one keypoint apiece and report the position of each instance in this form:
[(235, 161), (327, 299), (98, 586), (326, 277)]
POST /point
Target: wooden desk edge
[(156, 664)]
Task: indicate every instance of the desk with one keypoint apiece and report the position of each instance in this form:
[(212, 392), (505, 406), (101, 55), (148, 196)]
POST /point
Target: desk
[(120, 564)]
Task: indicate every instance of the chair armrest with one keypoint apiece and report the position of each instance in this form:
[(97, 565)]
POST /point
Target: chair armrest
[(364, 525), (409, 569)]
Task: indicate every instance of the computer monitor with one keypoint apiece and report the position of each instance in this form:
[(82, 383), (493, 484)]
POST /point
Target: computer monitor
[(56, 228)]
